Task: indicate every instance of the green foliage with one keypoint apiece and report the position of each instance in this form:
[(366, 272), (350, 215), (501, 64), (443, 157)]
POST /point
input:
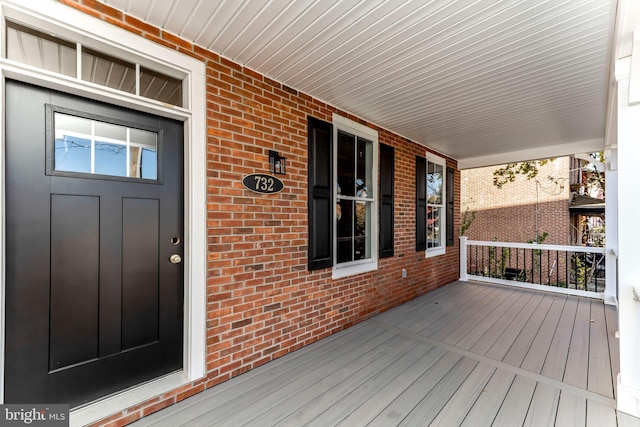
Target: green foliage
[(508, 173), (467, 219), (499, 261), (537, 252), (581, 272), (539, 238)]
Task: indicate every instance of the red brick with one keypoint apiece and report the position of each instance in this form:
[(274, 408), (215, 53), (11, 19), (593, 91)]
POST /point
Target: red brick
[(141, 25)]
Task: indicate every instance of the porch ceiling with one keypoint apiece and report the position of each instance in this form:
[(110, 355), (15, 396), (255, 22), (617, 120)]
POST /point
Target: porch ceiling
[(482, 81)]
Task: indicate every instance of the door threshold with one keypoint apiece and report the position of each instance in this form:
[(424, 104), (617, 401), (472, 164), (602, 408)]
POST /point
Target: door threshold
[(110, 405)]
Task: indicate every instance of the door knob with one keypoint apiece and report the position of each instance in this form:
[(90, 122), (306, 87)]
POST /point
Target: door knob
[(175, 259)]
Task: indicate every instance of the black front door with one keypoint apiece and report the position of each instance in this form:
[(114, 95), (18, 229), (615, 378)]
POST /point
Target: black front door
[(94, 206)]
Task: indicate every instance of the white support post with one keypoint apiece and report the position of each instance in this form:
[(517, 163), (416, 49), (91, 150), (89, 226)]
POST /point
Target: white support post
[(611, 227), (628, 135), (463, 259), (634, 80)]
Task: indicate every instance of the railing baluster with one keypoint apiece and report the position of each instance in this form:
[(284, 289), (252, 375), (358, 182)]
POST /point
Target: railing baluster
[(548, 275), (540, 265), (533, 266), (557, 270), (567, 277)]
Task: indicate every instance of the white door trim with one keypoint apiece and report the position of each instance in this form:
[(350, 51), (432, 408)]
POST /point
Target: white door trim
[(55, 17)]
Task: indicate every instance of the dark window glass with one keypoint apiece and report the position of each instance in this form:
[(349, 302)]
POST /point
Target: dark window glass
[(346, 166)]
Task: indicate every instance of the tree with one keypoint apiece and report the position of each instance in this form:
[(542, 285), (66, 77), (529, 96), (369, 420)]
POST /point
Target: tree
[(508, 173)]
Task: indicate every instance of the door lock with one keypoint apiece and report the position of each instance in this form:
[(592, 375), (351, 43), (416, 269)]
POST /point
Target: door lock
[(175, 259)]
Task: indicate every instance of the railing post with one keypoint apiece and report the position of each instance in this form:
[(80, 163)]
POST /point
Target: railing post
[(463, 259)]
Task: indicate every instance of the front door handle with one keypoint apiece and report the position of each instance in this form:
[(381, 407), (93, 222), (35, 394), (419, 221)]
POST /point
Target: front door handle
[(175, 259)]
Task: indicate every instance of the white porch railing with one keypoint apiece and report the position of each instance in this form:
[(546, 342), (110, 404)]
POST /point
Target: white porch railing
[(574, 270)]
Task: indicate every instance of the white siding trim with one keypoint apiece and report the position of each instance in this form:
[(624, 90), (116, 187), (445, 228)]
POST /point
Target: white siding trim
[(371, 264), (442, 249)]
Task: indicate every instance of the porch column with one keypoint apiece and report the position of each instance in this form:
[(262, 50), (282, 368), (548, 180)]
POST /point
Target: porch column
[(463, 259), (611, 227), (628, 141)]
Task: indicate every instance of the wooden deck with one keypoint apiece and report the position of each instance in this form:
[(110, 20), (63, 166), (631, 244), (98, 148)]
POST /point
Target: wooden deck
[(467, 354)]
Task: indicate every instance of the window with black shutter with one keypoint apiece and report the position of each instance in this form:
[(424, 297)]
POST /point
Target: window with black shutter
[(343, 176), (320, 194), (450, 206), (421, 203), (386, 200), (432, 205)]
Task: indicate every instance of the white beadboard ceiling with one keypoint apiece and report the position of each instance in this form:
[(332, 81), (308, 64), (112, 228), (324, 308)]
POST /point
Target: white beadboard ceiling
[(482, 81)]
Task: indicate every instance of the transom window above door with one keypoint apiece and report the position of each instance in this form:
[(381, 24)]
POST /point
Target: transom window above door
[(87, 146), (51, 53)]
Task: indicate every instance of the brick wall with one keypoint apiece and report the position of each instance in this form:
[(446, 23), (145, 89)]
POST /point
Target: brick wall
[(509, 213), (262, 302)]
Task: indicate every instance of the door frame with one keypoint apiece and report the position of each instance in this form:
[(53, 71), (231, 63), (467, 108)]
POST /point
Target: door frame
[(50, 15)]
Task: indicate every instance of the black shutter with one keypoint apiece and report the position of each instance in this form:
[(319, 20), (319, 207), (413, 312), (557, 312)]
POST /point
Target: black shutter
[(421, 203), (386, 200), (320, 194), (450, 210)]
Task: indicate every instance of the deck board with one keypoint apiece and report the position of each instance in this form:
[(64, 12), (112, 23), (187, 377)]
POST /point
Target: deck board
[(486, 407), (442, 311), (599, 415), (455, 331), (287, 386), (493, 325), (520, 348), (392, 378), (576, 371), (556, 361), (405, 402), (611, 317), (599, 374), (470, 354), (515, 406), (370, 367), (456, 318), (417, 305), (572, 410), (368, 410), (456, 409), (433, 402), (234, 393), (534, 360), (544, 406), (497, 343), (470, 331)]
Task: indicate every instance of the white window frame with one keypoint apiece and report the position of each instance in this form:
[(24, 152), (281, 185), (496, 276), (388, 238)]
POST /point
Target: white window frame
[(371, 264), (68, 23), (442, 249)]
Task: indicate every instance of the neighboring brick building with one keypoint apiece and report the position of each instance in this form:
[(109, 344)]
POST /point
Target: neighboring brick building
[(510, 213)]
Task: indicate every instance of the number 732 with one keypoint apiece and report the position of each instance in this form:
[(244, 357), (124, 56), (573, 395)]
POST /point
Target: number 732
[(264, 183)]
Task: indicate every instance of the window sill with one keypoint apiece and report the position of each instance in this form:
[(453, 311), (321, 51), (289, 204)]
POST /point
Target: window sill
[(430, 253), (351, 270)]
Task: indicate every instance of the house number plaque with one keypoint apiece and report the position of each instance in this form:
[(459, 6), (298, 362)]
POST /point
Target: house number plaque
[(261, 183)]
